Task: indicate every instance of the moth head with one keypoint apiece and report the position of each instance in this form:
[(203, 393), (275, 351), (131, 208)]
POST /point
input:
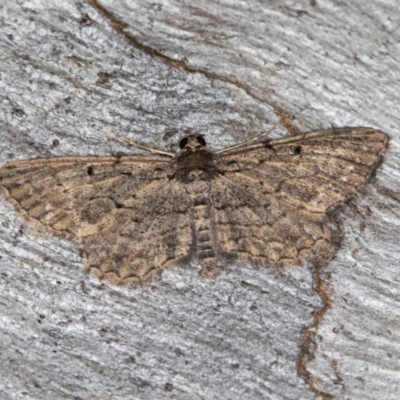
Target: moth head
[(192, 143), (194, 156)]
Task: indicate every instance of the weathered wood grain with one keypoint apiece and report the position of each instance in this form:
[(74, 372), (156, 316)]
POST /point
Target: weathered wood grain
[(230, 70)]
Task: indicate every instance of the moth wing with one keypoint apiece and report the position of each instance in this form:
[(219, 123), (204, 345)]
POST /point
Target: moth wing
[(273, 201), (127, 217)]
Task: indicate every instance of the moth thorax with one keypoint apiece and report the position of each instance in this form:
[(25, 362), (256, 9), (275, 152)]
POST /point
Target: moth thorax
[(200, 159)]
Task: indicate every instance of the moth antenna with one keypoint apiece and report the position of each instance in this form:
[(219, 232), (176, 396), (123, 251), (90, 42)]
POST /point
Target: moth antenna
[(254, 139), (140, 146)]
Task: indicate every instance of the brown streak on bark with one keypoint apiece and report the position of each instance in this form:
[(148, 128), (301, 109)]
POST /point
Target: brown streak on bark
[(120, 26)]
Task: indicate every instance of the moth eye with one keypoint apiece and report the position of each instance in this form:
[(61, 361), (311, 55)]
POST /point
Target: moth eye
[(201, 140), (183, 142)]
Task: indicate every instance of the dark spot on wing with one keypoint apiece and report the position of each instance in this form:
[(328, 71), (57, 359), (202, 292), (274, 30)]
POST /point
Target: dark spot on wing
[(297, 150), (268, 145)]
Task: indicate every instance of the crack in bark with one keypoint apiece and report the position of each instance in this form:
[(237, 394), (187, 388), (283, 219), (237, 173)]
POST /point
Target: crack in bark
[(309, 346)]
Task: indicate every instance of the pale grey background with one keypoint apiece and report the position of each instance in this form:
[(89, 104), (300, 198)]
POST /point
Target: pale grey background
[(71, 70)]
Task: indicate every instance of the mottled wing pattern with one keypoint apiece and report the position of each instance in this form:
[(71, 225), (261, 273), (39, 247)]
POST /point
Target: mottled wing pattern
[(129, 219), (272, 203), (268, 202)]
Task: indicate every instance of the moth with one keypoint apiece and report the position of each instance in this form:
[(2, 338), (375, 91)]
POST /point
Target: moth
[(264, 202)]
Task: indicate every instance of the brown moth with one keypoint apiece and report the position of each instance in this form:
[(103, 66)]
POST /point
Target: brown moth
[(266, 202)]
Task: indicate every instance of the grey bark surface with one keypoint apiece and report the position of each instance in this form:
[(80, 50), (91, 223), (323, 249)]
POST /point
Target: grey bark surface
[(70, 71)]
